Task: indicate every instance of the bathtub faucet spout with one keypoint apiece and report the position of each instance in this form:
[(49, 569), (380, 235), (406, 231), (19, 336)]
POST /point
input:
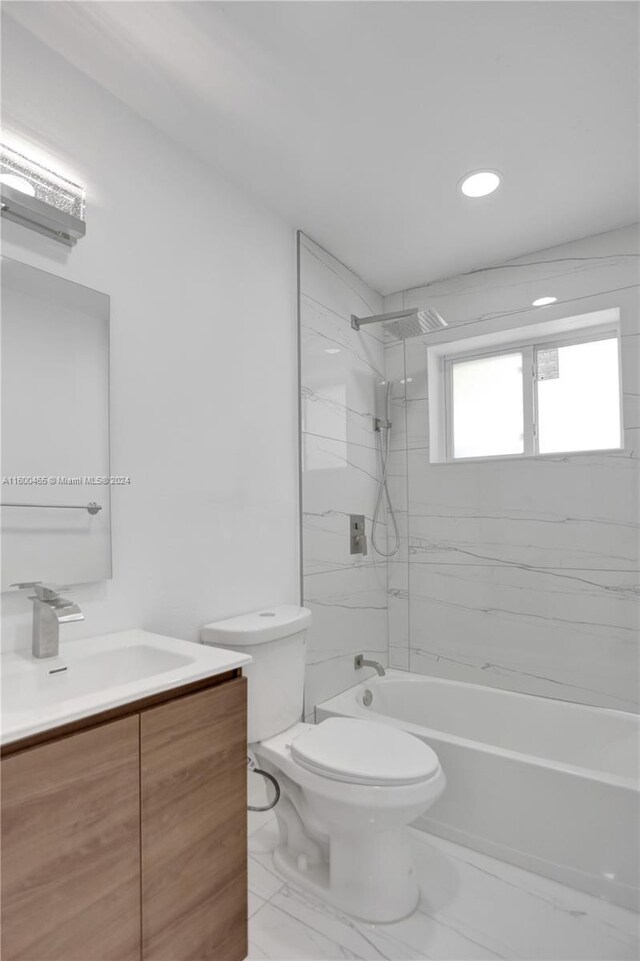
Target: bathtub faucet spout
[(359, 661)]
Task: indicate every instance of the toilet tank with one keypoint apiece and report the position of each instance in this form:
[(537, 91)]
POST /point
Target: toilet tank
[(276, 640)]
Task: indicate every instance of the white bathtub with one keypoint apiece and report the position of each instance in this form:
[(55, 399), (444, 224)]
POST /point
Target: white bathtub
[(548, 785)]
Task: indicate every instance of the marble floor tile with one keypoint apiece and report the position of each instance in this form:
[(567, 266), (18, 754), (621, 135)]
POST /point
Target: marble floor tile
[(276, 935), (255, 903), (471, 907), (416, 938), (515, 913), (264, 880), (258, 819)]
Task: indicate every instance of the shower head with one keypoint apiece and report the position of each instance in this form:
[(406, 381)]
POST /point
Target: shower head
[(416, 323), (404, 323)]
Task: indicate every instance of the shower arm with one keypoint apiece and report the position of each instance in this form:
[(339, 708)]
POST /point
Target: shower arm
[(358, 322)]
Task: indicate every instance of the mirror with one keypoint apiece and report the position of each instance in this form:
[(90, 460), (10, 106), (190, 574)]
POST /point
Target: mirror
[(56, 511)]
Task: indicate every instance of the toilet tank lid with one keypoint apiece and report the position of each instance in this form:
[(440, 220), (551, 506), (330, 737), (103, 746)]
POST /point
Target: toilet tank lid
[(268, 624)]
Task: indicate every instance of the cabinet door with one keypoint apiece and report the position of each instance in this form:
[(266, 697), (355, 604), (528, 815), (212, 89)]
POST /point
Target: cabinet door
[(194, 844), (71, 848)]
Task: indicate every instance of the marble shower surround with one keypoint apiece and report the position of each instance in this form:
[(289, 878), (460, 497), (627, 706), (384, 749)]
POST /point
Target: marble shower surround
[(341, 375), (523, 573)]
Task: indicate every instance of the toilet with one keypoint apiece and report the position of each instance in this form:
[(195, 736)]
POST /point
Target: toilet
[(349, 787)]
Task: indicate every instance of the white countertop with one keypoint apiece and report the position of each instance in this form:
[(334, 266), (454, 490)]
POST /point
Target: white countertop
[(95, 674)]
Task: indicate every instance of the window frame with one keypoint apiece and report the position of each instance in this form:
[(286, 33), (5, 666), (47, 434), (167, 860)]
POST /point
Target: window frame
[(528, 347)]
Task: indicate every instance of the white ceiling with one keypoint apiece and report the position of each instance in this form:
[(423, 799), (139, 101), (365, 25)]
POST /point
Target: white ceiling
[(356, 120)]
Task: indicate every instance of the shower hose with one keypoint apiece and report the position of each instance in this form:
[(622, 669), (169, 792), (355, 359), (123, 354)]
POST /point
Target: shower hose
[(383, 492)]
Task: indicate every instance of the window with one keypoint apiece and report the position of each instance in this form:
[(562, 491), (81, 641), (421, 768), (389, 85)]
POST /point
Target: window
[(487, 409), (578, 396), (556, 394)]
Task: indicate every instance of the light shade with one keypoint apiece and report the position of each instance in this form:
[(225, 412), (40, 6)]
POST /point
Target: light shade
[(480, 183), (46, 184), (543, 301), (39, 198), (18, 183)]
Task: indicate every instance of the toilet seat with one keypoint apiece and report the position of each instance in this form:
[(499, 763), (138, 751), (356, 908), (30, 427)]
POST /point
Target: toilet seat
[(364, 752)]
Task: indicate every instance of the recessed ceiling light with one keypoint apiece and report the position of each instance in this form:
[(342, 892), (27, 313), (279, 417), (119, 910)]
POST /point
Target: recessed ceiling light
[(332, 350), (18, 183), (543, 301), (480, 183)]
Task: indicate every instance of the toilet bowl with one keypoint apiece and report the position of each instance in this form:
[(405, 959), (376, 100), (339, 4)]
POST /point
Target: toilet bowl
[(349, 787)]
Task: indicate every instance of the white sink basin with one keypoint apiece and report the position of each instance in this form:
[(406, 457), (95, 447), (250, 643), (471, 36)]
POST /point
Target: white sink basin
[(98, 673)]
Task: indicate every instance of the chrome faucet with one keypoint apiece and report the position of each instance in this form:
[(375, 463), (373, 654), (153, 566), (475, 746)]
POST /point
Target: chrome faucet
[(360, 661), (50, 610)]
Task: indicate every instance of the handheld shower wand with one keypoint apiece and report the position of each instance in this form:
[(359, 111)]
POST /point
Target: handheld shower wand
[(384, 449)]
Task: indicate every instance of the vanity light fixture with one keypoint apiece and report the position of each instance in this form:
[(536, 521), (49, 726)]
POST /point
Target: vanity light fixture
[(479, 183), (544, 301), (40, 199)]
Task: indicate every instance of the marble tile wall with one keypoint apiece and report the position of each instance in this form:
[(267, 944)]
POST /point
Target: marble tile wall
[(342, 385), (523, 574)]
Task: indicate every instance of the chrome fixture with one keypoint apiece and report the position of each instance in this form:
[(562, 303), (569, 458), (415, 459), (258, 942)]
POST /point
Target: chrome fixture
[(404, 323), (384, 450), (379, 424), (360, 661), (90, 508), (357, 535), (40, 199), (50, 610)]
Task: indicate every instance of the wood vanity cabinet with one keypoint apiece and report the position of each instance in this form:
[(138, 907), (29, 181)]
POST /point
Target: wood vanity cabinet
[(70, 863), (194, 827), (125, 839)]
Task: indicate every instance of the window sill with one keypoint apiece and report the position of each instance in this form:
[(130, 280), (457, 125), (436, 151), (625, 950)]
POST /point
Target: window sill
[(501, 459)]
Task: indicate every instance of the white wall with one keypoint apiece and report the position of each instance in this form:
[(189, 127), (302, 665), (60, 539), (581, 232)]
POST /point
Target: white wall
[(203, 378), (340, 395), (523, 573)]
